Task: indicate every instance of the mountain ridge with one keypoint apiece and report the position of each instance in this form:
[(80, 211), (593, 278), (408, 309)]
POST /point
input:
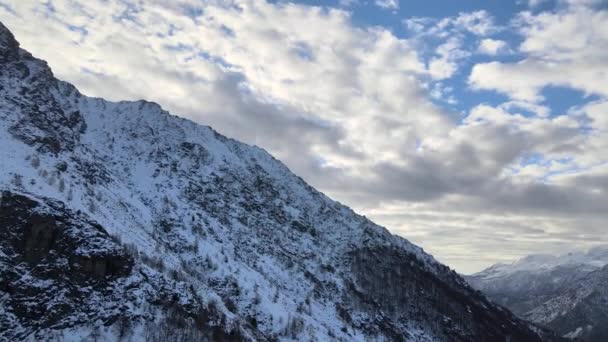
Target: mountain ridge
[(207, 238), (565, 293)]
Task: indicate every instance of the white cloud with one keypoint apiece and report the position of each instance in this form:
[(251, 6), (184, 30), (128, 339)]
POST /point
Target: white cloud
[(449, 54), (479, 23), (442, 93), (598, 113), (419, 25), (445, 39), (572, 34), (534, 3), (388, 4), (491, 47), (563, 48)]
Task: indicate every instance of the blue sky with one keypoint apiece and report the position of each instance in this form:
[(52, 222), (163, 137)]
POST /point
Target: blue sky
[(368, 13), (476, 129)]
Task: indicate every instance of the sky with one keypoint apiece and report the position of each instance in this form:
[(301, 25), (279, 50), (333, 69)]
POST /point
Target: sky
[(475, 129)]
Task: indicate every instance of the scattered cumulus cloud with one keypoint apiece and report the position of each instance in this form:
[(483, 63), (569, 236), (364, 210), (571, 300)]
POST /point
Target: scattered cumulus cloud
[(387, 4), (448, 56), (447, 40), (478, 23), (563, 48), (491, 46)]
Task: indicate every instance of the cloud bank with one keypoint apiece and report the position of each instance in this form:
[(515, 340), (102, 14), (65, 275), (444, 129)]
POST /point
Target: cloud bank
[(355, 110)]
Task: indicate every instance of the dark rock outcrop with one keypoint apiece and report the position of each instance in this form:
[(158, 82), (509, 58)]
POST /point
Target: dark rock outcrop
[(56, 250), (45, 121)]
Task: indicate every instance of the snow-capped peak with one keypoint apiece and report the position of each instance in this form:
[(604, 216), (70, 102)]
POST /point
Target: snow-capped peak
[(595, 257)]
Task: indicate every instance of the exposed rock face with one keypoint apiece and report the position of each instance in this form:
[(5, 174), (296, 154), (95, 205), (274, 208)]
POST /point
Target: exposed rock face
[(36, 237), (59, 270), (124, 221), (29, 87), (52, 261)]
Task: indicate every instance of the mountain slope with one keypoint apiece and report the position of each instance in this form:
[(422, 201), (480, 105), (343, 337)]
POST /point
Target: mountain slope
[(565, 293), (579, 311), (121, 220)]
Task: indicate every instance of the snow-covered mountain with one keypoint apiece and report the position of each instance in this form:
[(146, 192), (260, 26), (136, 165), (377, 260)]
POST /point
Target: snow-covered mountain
[(121, 221), (567, 293)]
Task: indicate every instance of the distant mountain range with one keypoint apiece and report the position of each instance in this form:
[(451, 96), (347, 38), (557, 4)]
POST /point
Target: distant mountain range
[(120, 221), (567, 293)]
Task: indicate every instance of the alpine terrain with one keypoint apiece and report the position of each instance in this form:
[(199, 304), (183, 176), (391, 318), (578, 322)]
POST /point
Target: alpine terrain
[(119, 221), (568, 293)]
